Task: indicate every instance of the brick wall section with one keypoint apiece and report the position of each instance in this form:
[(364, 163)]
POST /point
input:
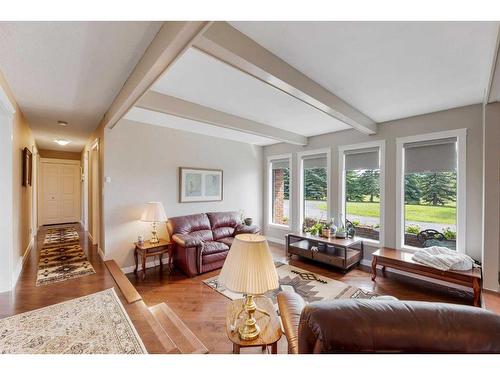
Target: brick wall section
[(278, 195)]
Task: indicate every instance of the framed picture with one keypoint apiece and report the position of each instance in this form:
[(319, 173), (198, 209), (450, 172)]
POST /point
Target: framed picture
[(27, 167), (200, 185)]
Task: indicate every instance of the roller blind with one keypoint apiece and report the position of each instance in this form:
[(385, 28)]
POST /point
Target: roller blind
[(315, 161), (362, 159), (431, 156), (280, 164)]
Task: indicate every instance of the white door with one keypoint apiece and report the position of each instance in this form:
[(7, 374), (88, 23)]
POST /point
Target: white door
[(60, 192)]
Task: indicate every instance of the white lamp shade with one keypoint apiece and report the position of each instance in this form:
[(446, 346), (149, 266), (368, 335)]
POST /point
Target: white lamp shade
[(154, 212), (249, 266)]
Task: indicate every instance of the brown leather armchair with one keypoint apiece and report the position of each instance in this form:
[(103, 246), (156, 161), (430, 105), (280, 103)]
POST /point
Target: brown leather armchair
[(202, 241), (386, 326)]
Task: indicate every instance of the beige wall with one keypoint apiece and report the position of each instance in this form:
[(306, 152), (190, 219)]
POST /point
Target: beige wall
[(491, 252), (22, 196), (469, 117), (96, 136), (142, 162), (56, 154)]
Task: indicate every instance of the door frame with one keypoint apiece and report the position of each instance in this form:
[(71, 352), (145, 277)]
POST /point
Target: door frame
[(40, 194), (94, 229)]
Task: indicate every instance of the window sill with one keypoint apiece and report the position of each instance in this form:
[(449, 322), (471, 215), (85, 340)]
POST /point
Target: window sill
[(278, 226)]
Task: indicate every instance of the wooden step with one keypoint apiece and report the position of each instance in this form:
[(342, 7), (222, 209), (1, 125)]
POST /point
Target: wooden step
[(126, 287), (153, 336), (184, 339)]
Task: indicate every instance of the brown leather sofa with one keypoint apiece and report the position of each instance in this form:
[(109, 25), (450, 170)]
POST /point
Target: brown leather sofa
[(202, 241), (386, 326)]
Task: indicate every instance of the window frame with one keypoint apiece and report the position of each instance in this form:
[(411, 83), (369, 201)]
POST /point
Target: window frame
[(270, 159), (341, 202), (461, 204), (300, 163)]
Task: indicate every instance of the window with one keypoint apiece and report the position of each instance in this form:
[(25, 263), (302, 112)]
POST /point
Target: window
[(361, 200), (430, 190), (314, 187), (279, 173)]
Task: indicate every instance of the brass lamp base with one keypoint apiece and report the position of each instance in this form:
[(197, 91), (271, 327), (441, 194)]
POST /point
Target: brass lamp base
[(249, 330), (154, 232)]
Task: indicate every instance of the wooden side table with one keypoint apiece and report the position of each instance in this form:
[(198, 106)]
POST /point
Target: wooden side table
[(148, 249), (270, 326)]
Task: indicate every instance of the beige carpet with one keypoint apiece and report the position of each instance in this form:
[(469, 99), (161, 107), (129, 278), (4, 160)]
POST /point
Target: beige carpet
[(311, 286), (93, 324), (62, 257)]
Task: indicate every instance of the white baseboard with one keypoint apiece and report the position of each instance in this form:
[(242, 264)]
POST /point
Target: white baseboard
[(276, 240), (149, 264), (101, 253), (366, 262), (20, 263)]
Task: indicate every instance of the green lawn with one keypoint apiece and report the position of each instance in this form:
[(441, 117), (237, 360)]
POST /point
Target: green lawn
[(430, 214)]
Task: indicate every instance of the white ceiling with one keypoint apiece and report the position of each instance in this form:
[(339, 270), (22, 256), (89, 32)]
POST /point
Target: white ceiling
[(202, 79), (173, 122), (69, 71), (387, 70)]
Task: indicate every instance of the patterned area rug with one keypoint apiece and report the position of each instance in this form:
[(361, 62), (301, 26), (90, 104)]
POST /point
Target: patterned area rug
[(311, 286), (94, 324), (62, 257), (60, 235)]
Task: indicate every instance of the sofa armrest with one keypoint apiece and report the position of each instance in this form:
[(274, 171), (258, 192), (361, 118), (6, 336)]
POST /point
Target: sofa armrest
[(185, 240), (241, 229), (384, 326), (290, 306)]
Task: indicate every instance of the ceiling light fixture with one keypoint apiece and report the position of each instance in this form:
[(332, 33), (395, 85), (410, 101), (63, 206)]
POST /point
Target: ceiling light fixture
[(62, 123), (61, 142)]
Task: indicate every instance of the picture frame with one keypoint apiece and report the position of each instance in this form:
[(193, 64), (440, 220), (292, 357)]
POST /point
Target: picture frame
[(27, 167), (200, 185)]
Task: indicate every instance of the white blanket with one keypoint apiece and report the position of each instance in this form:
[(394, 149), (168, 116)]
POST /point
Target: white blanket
[(443, 258)]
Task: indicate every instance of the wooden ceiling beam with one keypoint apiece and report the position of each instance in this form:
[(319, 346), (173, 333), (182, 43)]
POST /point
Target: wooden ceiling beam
[(171, 41), (229, 45), (171, 105)]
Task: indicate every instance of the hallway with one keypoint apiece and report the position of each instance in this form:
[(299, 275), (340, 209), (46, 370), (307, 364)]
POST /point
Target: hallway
[(27, 296)]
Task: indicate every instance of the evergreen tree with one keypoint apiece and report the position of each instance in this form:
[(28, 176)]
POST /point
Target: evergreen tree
[(370, 183), (315, 184), (413, 193), (352, 187), (438, 188)]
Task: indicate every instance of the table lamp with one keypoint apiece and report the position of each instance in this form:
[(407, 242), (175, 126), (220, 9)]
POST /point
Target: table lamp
[(249, 269), (154, 213)]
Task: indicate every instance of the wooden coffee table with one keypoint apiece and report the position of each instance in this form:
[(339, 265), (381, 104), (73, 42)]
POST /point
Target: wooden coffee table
[(402, 260), (344, 253), (270, 327)]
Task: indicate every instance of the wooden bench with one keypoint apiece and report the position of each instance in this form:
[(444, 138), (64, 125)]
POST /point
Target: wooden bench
[(402, 260)]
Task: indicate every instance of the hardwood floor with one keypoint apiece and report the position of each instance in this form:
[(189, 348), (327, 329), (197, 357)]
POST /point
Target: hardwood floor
[(203, 310), (27, 296), (200, 308)]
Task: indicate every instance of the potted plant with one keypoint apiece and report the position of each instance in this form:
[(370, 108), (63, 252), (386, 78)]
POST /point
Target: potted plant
[(325, 231)]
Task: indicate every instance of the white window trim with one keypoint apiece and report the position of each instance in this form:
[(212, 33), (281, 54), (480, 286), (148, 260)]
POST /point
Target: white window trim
[(300, 163), (461, 135), (269, 182), (341, 203)]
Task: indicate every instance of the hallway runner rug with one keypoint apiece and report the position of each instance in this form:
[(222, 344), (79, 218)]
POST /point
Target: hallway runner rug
[(59, 235), (311, 286), (93, 324), (62, 258)]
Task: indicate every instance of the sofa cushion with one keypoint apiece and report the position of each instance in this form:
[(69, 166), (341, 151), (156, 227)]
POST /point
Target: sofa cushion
[(223, 223), (227, 240), (213, 247), (196, 225)]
